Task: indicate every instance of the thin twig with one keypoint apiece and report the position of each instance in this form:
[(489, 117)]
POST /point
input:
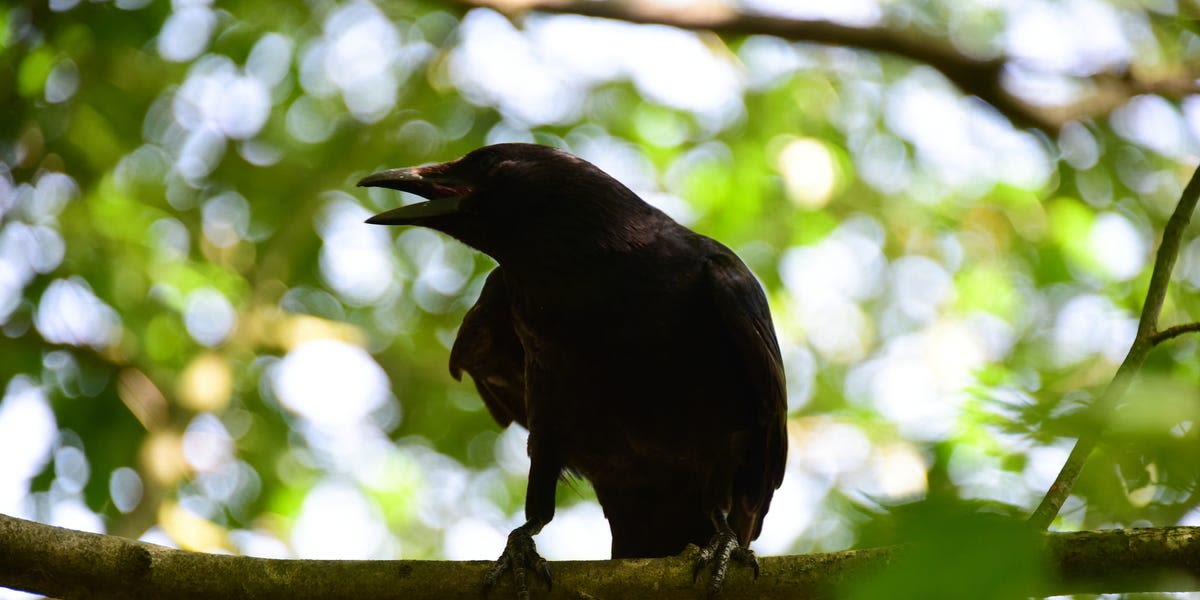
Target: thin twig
[(1173, 332), (1145, 340)]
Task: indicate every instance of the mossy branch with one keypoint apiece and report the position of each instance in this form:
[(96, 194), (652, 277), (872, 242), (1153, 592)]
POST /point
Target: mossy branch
[(63, 563)]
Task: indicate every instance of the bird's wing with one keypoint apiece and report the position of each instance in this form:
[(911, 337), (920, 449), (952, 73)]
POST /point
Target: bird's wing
[(488, 349), (742, 307)]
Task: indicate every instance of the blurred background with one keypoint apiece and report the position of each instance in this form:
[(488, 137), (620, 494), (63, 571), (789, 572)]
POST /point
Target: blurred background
[(202, 344)]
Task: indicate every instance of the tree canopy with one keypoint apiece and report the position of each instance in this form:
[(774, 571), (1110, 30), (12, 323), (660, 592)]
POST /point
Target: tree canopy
[(953, 206)]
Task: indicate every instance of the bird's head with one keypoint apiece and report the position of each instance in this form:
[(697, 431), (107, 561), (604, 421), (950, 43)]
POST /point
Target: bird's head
[(519, 202)]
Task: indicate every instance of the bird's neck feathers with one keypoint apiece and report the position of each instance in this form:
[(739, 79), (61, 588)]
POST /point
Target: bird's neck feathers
[(574, 231), (572, 245)]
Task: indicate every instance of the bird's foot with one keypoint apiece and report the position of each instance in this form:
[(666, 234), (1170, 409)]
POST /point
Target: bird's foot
[(722, 548), (520, 556)]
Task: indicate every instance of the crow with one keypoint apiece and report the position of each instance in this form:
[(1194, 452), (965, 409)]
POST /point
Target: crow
[(636, 352)]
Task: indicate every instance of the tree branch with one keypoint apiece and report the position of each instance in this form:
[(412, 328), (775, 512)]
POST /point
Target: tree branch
[(980, 77), (72, 564), (1173, 332), (1145, 340)]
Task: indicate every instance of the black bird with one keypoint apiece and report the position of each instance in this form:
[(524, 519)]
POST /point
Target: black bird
[(637, 353)]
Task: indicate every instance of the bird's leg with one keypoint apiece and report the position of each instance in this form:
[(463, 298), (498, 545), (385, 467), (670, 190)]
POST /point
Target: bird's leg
[(520, 553), (720, 549), (520, 556)]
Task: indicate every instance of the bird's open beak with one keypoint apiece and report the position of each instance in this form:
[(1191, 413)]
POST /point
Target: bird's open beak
[(445, 194)]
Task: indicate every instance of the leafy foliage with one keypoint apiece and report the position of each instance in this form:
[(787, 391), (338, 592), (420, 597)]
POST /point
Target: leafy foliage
[(197, 326)]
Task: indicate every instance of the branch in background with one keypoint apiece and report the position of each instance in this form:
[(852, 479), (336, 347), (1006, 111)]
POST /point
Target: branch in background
[(1147, 337), (72, 564), (979, 77)]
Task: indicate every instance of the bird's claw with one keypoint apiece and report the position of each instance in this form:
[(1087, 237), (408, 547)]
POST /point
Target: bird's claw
[(520, 556), (722, 548)]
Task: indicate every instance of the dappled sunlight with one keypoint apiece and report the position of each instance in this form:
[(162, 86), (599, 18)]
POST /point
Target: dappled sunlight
[(71, 469), (850, 12), (25, 251), (209, 317), (497, 65), (263, 544), (1039, 474), (829, 449), (1153, 122), (126, 488), (809, 172), (1118, 246), (207, 445), (899, 473), (217, 97), (442, 268), (1098, 37), (540, 76), (1189, 267), (980, 475), (354, 262), (828, 280), (511, 453), (333, 385), (70, 313), (475, 539), (27, 434), (1089, 325), (226, 219), (578, 532), (919, 380), (793, 512), (963, 143), (186, 31), (206, 384), (360, 56), (163, 459), (921, 287), (32, 246), (72, 513), (203, 340), (358, 533), (188, 528)]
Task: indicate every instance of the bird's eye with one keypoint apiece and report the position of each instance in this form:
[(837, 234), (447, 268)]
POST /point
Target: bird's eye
[(488, 163)]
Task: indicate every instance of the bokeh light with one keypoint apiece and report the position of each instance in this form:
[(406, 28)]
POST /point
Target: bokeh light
[(70, 313), (200, 330), (332, 384), (27, 434)]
